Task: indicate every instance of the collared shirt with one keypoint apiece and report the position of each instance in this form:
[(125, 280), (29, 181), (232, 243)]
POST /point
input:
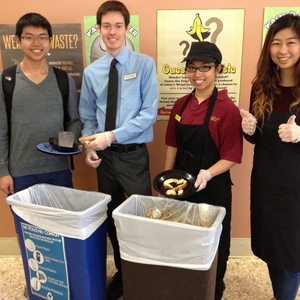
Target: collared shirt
[(225, 124), (137, 97)]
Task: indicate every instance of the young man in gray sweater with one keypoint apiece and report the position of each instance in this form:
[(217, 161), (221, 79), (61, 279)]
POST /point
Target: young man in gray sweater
[(37, 114)]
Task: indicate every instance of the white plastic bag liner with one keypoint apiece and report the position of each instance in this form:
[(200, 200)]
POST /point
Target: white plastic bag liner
[(65, 211), (175, 239)]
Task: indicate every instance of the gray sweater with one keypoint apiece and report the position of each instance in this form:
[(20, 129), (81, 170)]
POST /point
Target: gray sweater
[(37, 114)]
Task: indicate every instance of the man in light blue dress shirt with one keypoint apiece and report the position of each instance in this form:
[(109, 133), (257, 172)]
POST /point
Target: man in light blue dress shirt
[(120, 155)]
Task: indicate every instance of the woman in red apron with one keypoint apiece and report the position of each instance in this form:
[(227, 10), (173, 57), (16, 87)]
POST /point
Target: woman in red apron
[(275, 180), (204, 137)]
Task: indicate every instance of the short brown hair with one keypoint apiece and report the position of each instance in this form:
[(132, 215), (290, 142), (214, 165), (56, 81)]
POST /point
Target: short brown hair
[(113, 5)]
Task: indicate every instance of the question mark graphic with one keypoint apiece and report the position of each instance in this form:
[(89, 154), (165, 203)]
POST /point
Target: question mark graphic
[(218, 29), (187, 45), (76, 40)]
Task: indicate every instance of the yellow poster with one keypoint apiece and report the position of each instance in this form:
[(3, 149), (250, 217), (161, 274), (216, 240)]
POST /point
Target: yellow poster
[(176, 30)]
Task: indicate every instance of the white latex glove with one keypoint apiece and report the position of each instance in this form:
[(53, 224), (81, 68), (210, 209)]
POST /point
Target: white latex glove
[(248, 122), (289, 132), (100, 141), (91, 158), (202, 179)]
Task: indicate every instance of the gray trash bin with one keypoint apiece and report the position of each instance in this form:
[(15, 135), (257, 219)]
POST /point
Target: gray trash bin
[(168, 248), (62, 234)]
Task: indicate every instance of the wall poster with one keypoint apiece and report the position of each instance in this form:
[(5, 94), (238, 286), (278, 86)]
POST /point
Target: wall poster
[(271, 14), (95, 47), (176, 30), (65, 52)]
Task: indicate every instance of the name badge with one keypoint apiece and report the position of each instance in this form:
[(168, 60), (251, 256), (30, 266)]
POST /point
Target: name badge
[(130, 76), (177, 118)]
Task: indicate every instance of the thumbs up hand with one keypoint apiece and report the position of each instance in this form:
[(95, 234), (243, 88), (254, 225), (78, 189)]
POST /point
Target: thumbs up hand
[(248, 122), (289, 132)]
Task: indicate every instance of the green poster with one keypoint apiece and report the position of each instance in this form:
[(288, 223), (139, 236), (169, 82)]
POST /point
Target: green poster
[(94, 46), (271, 14)]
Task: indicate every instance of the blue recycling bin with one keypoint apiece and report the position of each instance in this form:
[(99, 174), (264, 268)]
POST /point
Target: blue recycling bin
[(62, 235)]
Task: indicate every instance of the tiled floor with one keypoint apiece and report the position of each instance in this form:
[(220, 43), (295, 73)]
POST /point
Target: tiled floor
[(246, 279)]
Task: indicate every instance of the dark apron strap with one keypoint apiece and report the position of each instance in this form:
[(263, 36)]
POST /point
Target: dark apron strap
[(211, 105), (185, 104), (210, 108)]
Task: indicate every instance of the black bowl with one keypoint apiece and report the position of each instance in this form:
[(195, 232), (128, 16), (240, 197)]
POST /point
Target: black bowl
[(54, 143), (177, 174)]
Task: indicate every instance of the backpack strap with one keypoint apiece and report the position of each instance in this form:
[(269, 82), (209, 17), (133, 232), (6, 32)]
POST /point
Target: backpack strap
[(63, 84), (8, 85)]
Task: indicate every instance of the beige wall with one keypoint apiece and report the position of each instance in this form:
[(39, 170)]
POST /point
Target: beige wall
[(66, 11)]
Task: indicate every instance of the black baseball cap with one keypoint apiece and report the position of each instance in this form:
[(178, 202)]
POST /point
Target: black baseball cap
[(204, 51)]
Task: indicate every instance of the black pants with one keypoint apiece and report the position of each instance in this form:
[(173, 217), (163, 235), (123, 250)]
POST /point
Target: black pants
[(121, 175), (218, 192)]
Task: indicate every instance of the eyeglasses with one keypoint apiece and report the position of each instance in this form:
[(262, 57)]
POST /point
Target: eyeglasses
[(193, 69), (31, 39)]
